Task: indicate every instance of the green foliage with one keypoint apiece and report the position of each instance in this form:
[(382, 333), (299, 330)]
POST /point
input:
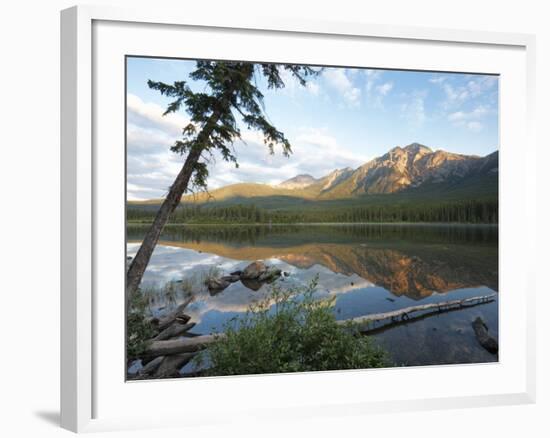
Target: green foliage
[(138, 327), (290, 331), (473, 211)]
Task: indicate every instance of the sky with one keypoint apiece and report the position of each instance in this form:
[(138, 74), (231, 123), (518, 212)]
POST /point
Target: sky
[(343, 118)]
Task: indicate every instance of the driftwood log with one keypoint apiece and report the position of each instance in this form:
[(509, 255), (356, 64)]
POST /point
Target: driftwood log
[(165, 356), (174, 330), (194, 344), (375, 328), (170, 365), (182, 345), (404, 313), (176, 314), (151, 366)]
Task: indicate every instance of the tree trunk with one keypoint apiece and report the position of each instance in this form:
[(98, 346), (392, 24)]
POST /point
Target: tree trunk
[(141, 260), (178, 188)]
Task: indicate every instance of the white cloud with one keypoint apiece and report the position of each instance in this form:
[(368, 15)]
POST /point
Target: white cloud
[(313, 88), (315, 152), (413, 108), (376, 91), (152, 167), (338, 80), (460, 116), (293, 85), (437, 79), (469, 119), (372, 77), (149, 115), (457, 95), (384, 88), (479, 90), (474, 126)]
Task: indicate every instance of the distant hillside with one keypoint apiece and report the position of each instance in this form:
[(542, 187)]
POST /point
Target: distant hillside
[(298, 182), (401, 175)]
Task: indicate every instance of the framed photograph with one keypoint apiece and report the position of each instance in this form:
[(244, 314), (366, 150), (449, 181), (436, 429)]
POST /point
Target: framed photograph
[(252, 209)]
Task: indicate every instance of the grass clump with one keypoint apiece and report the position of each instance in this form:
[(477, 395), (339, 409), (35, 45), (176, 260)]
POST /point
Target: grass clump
[(139, 329), (213, 273), (290, 331)]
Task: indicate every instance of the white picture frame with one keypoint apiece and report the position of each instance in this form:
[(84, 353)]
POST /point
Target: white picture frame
[(89, 399)]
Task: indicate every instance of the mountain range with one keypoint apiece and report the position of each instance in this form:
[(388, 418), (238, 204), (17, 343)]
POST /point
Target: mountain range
[(411, 170)]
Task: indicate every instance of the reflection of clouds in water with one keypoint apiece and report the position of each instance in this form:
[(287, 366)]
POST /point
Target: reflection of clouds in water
[(169, 263), (172, 264)]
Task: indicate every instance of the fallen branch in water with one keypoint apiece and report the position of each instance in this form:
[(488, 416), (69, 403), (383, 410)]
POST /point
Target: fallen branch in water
[(403, 315), (374, 328)]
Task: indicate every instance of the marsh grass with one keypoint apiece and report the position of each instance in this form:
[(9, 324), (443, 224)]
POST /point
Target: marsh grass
[(168, 295), (213, 273)]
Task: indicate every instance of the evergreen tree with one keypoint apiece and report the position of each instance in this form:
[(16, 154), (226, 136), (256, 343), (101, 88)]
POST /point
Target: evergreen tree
[(230, 89)]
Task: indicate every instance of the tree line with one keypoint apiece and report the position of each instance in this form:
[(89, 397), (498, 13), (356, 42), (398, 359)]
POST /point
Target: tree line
[(293, 234), (471, 211)]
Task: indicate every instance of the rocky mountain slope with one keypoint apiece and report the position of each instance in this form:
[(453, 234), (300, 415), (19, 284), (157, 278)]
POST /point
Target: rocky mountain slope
[(413, 169), (400, 169)]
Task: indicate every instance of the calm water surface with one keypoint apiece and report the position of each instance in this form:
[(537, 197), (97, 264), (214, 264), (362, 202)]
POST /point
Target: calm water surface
[(368, 268)]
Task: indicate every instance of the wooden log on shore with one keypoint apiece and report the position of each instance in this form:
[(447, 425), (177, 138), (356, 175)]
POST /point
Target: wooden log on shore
[(174, 330), (404, 314), (177, 313), (171, 365), (182, 345), (151, 366)]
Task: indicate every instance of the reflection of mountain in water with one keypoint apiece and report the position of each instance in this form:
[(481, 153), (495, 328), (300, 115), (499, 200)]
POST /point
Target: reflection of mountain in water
[(415, 266), (414, 275)]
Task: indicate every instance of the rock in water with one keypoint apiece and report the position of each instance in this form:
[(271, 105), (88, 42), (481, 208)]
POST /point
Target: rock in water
[(270, 275), (254, 270), (216, 285), (252, 284), (231, 278), (482, 335)]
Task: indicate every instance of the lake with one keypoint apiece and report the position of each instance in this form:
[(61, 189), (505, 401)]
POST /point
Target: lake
[(366, 268)]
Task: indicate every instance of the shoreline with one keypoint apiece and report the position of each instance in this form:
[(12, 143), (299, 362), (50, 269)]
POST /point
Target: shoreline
[(263, 224)]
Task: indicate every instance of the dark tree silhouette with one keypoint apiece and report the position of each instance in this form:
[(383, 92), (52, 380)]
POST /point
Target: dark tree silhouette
[(230, 90)]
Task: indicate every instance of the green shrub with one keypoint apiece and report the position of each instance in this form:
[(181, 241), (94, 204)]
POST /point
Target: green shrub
[(290, 331), (139, 329)]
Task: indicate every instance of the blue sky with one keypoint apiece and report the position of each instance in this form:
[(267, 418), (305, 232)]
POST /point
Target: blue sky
[(342, 118)]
